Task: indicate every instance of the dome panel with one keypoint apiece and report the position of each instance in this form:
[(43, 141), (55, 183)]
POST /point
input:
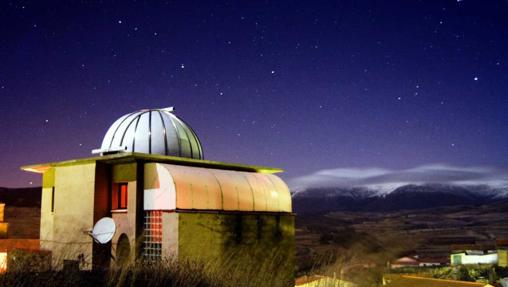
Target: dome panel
[(172, 137), (155, 131), (111, 131), (127, 138), (142, 134), (185, 146), (159, 140), (119, 132)]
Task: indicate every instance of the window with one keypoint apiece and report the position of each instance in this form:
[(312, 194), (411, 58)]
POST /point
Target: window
[(53, 199), (119, 196), (152, 244)]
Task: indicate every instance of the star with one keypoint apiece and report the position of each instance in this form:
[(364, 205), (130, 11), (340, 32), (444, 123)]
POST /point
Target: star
[(273, 72), (182, 66), (475, 78), (119, 21)]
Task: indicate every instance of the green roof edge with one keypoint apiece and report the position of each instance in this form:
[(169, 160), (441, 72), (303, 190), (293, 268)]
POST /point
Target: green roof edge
[(134, 156)]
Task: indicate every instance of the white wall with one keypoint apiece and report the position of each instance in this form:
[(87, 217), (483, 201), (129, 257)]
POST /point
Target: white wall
[(479, 259)]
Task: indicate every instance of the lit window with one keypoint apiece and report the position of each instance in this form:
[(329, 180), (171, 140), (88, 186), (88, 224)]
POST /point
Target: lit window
[(123, 196), (119, 196)]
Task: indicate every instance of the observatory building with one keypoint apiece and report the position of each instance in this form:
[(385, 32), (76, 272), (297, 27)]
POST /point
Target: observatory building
[(165, 201)]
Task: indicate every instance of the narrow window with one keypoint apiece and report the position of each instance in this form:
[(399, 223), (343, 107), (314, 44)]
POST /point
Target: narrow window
[(53, 199), (122, 195)]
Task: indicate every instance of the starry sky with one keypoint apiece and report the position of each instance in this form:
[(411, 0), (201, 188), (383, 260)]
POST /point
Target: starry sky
[(305, 85)]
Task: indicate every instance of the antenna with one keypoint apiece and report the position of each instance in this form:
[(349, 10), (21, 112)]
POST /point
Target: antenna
[(103, 230)]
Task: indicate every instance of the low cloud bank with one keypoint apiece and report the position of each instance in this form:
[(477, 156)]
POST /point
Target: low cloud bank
[(383, 181)]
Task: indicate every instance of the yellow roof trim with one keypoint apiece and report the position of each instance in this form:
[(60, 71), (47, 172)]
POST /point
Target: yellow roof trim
[(126, 157)]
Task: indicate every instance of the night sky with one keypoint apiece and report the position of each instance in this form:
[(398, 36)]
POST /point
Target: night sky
[(305, 87)]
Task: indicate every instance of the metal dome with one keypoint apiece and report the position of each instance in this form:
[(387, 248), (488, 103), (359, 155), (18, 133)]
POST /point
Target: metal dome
[(153, 131)]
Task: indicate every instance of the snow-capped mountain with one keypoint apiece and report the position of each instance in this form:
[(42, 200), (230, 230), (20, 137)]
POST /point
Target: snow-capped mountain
[(411, 196)]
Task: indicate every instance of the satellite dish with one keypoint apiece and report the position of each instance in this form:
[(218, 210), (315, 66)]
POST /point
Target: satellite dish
[(104, 230)]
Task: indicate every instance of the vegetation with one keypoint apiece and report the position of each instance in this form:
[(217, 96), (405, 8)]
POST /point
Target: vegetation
[(236, 269), (473, 273)]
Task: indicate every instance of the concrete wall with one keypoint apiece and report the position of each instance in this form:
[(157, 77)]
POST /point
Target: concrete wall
[(503, 257), (46, 225), (73, 215), (240, 243), (170, 235)]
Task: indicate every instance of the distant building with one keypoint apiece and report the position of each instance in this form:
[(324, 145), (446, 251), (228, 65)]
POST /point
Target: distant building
[(417, 261), (406, 261), (502, 252), (8, 245), (4, 226), (165, 199), (465, 257), (433, 261)]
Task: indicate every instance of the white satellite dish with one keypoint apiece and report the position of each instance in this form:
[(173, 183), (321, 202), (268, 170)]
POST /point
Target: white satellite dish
[(104, 230)]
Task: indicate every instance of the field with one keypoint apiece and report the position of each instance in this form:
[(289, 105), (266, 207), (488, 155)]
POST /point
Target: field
[(358, 245)]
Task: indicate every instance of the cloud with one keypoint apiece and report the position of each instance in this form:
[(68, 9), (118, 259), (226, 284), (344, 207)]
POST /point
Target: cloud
[(386, 180)]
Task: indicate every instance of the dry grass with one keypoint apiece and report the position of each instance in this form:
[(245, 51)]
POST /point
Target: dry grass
[(238, 268)]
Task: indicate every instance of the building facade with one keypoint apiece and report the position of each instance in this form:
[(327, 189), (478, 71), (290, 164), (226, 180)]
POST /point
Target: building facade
[(167, 202)]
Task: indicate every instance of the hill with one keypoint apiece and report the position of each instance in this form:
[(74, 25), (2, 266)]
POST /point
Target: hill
[(407, 197), (21, 197)]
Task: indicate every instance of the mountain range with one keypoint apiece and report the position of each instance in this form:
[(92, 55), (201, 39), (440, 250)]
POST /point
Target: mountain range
[(406, 197)]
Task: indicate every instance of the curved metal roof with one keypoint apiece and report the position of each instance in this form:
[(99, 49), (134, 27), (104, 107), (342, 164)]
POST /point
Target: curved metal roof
[(175, 187), (152, 131)]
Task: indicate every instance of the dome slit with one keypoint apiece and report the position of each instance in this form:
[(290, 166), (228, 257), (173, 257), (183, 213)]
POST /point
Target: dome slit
[(150, 132)]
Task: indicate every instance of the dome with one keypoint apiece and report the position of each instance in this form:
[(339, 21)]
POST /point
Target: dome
[(153, 131)]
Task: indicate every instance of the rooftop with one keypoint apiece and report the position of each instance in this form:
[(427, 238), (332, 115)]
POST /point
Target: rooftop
[(396, 280), (128, 157)]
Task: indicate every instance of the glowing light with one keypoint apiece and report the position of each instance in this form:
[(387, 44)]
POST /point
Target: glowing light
[(3, 262)]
